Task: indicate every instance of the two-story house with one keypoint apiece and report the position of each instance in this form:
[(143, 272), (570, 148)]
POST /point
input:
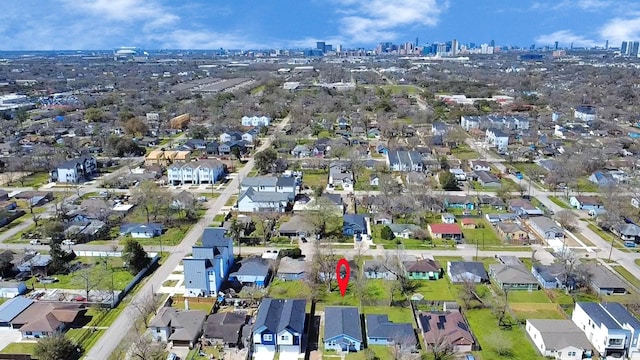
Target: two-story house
[(404, 161), (75, 170), (208, 267), (609, 327), (195, 172), (255, 121), (279, 327), (340, 175), (497, 138), (267, 193)]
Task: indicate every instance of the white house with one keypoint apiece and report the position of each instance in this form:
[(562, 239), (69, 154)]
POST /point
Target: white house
[(609, 327), (479, 165), (267, 193), (141, 231), (75, 170), (255, 121), (585, 113), (195, 172), (497, 138), (558, 339)]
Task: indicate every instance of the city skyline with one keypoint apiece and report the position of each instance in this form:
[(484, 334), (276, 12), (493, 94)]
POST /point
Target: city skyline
[(199, 24)]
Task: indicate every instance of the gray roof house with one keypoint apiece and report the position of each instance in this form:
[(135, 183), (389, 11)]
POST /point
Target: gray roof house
[(404, 161), (381, 331), (487, 179), (344, 331), (513, 277), (180, 328), (251, 271), (296, 226), (340, 175), (403, 230), (377, 269), (627, 232), (224, 328), (461, 271), (604, 281), (291, 269), (279, 326), (553, 338), (546, 228)]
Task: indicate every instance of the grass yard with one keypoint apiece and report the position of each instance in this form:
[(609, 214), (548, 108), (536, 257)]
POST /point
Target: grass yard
[(395, 313), (172, 237), (206, 307), (584, 185), (437, 289), (33, 180), (464, 152), (627, 276), (121, 276), (483, 234), (288, 289), (399, 89), (20, 348), (485, 327), (231, 201), (556, 200), (528, 168), (315, 179), (524, 296), (606, 236), (538, 311), (85, 337)]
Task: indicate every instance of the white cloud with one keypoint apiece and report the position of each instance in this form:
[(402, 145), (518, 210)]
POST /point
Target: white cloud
[(618, 30), (565, 38), (202, 39), (367, 21)]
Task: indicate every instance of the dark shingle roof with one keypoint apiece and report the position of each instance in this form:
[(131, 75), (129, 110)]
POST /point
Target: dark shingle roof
[(276, 315), (475, 268), (379, 326), (214, 237), (342, 320)]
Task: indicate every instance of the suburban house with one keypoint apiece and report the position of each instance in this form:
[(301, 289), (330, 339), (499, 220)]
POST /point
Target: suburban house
[(423, 269), (291, 269), (279, 326), (450, 324), (141, 231), (445, 231), (354, 224), (195, 172), (586, 113), (546, 228), (376, 269), (75, 170), (513, 277), (462, 271), (558, 339), (177, 327), (35, 264), (523, 207), (404, 161), (512, 232), (267, 193), (448, 218), (225, 328), (11, 308), (209, 265), (479, 165), (550, 276), (605, 282), (468, 223), (343, 332), (609, 327), (297, 226), (487, 179), (458, 202), (586, 202), (403, 230), (255, 121), (381, 331), (252, 271), (229, 136), (374, 180), (486, 200), (340, 175), (627, 232), (42, 319), (497, 138)]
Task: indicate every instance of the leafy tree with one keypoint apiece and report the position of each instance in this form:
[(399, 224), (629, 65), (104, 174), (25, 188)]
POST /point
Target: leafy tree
[(122, 146), (134, 256), (21, 116), (135, 126), (59, 259), (52, 229), (153, 199), (93, 114), (448, 181), (387, 233), (236, 153), (56, 347), (5, 262), (265, 160), (294, 253)]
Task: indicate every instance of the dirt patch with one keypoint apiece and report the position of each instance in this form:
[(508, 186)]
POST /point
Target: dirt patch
[(8, 177)]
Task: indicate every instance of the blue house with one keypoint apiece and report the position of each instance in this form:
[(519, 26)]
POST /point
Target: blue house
[(382, 149), (458, 202), (251, 271), (549, 276), (209, 265), (354, 224), (279, 327), (586, 202), (344, 331), (602, 179), (381, 331)]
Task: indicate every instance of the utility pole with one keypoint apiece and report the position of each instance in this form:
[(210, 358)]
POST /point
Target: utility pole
[(611, 249)]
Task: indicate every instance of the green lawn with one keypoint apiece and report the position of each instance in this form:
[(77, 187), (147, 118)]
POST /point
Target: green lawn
[(85, 337), (485, 327), (524, 296), (395, 313), (19, 348), (399, 89), (315, 179), (172, 237), (33, 180), (606, 236), (288, 289), (584, 185), (556, 200), (483, 235), (528, 168), (437, 289), (464, 152), (101, 275), (232, 201)]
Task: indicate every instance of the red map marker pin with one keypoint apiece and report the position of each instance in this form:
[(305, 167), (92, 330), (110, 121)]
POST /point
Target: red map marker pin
[(343, 282)]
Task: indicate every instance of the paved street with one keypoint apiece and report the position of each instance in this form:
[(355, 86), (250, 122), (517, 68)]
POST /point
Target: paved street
[(110, 340)]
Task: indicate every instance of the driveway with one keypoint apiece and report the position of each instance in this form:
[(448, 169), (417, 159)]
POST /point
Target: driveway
[(8, 336)]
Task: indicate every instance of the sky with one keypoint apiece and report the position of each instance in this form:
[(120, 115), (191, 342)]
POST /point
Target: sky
[(261, 24)]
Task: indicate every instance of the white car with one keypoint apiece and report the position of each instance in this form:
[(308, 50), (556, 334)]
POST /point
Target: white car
[(68, 242)]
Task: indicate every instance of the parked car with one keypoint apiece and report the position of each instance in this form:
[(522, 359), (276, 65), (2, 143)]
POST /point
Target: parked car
[(34, 242), (68, 242), (47, 280)]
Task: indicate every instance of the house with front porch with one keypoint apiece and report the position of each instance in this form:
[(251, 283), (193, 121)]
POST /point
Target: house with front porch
[(445, 231), (513, 277), (279, 327), (343, 332), (586, 202), (423, 269)]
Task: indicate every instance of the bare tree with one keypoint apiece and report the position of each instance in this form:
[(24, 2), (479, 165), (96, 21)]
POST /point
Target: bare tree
[(440, 347), (405, 285), (252, 293), (469, 293), (90, 278), (145, 307), (266, 224), (322, 213), (567, 219)]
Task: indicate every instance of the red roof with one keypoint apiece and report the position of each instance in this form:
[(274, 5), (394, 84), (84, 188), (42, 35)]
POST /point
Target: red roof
[(445, 229), (467, 221)]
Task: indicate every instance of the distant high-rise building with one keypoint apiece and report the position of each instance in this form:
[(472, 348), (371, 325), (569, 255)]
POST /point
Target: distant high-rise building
[(338, 48), (634, 47), (416, 42), (454, 47), (623, 48), (320, 45), (492, 43), (555, 45), (606, 44)]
